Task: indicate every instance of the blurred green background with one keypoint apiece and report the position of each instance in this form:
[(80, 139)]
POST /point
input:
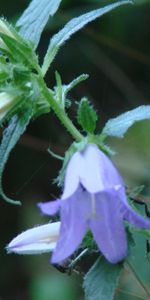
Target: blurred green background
[(115, 52)]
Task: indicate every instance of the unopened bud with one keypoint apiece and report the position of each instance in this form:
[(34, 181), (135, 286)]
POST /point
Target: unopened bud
[(37, 240), (7, 101)]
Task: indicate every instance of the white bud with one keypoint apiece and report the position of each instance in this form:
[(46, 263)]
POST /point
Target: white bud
[(5, 29), (7, 101), (40, 239)]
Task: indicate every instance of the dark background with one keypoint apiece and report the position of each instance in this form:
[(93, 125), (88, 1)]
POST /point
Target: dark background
[(114, 51)]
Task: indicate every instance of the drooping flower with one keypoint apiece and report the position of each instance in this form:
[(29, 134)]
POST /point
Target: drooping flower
[(93, 198), (40, 239)]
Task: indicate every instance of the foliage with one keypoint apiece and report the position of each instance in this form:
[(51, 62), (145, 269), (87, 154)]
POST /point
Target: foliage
[(101, 280)]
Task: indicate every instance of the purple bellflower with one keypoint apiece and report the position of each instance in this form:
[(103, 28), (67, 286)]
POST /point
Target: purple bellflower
[(93, 198)]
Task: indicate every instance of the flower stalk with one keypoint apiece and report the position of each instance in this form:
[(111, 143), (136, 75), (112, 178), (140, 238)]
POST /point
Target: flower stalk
[(60, 113)]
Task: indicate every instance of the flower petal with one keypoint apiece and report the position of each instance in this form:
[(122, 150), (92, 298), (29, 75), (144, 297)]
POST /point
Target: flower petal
[(108, 228), (35, 248), (98, 172), (73, 170), (130, 214), (74, 215), (36, 240), (49, 208)]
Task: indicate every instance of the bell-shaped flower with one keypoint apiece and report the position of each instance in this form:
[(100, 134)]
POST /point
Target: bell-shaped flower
[(40, 239), (94, 198)]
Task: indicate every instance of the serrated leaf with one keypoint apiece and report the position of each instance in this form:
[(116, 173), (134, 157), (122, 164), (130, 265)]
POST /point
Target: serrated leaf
[(86, 116), (11, 135), (35, 17), (101, 280), (118, 126), (72, 27)]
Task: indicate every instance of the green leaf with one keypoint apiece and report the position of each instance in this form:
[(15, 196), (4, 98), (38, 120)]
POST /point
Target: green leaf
[(72, 27), (86, 116), (144, 232), (68, 87), (118, 126), (35, 17), (59, 90), (11, 135), (101, 280), (20, 51)]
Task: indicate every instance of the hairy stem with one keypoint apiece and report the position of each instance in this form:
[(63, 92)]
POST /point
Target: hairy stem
[(60, 113)]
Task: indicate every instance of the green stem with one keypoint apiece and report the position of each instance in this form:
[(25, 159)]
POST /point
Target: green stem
[(129, 267), (60, 113)]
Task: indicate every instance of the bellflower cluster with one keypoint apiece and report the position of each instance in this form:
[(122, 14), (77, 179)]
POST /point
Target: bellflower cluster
[(93, 198)]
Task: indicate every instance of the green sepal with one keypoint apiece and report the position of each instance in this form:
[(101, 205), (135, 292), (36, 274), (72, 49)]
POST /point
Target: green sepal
[(86, 116), (11, 135), (134, 192), (19, 51), (101, 280), (53, 154), (98, 140), (59, 91), (21, 74)]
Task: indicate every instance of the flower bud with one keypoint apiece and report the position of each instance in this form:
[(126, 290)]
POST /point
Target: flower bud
[(40, 239), (7, 102)]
